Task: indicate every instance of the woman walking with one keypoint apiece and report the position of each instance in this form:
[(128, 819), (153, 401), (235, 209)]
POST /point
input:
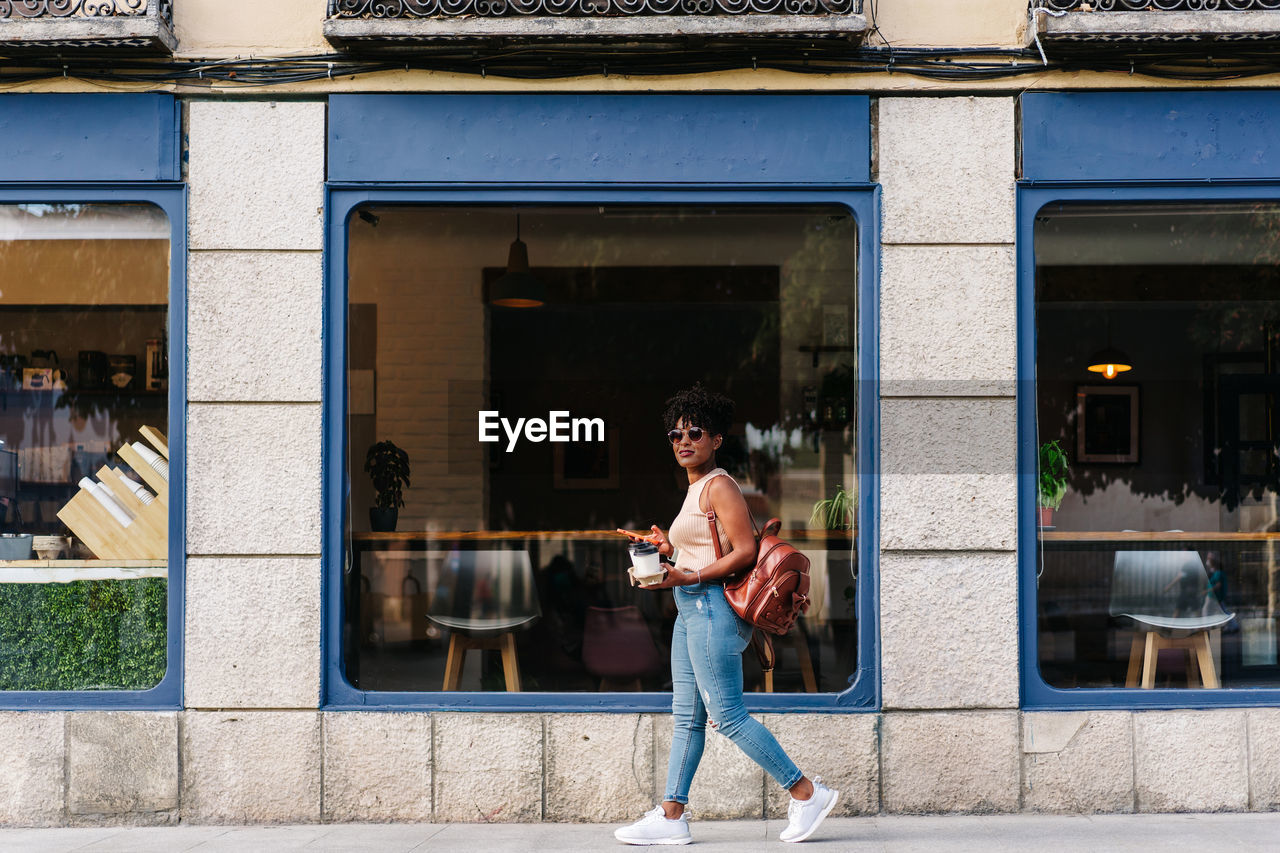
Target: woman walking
[(709, 637)]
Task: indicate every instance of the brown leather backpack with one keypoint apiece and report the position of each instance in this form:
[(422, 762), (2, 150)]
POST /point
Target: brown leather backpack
[(774, 592)]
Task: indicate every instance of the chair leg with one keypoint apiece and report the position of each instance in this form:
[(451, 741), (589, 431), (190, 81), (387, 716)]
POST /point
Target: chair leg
[(510, 664), (801, 646), (1149, 658), (1135, 661), (453, 663), (768, 681), (1194, 678), (1208, 673), (609, 685)]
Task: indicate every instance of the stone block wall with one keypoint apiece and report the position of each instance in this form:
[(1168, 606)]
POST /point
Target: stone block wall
[(292, 766), (252, 744), (256, 178)]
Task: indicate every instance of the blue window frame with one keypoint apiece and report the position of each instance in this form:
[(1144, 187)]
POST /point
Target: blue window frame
[(471, 170), (114, 149), (1130, 149)]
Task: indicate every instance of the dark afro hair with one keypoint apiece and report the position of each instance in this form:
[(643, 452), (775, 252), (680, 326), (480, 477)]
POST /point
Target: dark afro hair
[(699, 407)]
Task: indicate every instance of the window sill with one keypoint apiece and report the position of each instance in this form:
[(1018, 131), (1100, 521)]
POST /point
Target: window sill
[(1158, 26)]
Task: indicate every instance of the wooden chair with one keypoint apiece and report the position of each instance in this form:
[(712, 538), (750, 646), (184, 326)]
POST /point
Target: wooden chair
[(1165, 595), (483, 599)]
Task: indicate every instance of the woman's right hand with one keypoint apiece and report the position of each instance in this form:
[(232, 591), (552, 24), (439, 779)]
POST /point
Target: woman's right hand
[(665, 548), (657, 537)]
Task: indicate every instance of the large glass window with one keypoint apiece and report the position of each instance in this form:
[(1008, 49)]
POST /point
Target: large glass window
[(502, 570), (84, 292), (1157, 384)]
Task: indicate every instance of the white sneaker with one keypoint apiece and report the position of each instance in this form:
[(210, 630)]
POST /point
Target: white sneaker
[(656, 828), (805, 816)]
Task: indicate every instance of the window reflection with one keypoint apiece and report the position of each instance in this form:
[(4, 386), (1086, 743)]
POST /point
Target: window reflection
[(84, 293), (1160, 567), (502, 572)]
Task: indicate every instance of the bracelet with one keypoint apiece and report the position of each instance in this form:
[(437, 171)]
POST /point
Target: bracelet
[(699, 575)]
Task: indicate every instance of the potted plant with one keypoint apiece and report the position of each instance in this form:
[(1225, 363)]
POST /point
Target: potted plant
[(833, 513), (1051, 485), (388, 467)]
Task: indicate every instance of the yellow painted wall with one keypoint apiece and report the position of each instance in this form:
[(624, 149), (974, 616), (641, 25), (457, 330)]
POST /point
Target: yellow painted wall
[(950, 23), (219, 28), (257, 28)]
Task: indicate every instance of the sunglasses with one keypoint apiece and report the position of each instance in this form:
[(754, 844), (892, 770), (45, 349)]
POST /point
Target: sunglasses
[(695, 434)]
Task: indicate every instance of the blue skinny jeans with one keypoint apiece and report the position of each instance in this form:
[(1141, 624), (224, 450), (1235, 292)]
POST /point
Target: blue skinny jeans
[(706, 678)]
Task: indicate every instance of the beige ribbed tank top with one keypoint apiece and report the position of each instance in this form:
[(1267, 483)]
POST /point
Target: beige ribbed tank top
[(690, 533)]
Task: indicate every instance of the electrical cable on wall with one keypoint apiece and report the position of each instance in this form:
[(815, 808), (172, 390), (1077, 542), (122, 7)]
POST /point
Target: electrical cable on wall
[(1229, 61)]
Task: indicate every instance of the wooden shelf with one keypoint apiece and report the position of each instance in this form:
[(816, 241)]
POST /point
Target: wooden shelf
[(66, 571), (1154, 536), (84, 392)]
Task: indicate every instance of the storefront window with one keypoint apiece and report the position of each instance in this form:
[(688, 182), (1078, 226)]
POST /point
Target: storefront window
[(84, 292), (1157, 384), (503, 571)]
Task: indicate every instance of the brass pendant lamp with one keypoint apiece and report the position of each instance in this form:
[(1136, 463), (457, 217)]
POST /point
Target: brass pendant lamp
[(1110, 362)]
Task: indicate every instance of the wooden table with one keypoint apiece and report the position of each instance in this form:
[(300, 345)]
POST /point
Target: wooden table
[(796, 537)]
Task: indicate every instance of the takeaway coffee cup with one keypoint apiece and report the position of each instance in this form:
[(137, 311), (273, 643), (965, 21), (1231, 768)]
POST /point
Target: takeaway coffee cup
[(646, 567)]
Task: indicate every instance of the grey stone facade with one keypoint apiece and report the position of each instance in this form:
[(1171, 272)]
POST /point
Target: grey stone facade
[(254, 745), (89, 768)]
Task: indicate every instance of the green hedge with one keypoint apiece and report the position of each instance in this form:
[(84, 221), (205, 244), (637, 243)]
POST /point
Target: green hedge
[(85, 635)]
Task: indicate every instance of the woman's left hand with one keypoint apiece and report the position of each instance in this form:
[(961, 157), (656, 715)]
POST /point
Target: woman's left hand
[(674, 577)]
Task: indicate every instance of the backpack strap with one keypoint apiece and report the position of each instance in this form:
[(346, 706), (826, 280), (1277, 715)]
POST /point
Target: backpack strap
[(763, 644), (760, 641), (711, 515)]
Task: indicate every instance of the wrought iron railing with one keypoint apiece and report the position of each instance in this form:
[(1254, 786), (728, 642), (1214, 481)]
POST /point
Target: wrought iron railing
[(86, 9), (1159, 5), (373, 9)]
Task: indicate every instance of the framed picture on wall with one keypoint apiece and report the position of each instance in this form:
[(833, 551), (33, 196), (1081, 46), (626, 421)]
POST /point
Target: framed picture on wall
[(586, 465), (1107, 423)]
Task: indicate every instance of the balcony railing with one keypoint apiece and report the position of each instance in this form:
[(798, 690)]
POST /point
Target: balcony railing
[(1129, 21), (1161, 5), (48, 25), (373, 9), (411, 24)]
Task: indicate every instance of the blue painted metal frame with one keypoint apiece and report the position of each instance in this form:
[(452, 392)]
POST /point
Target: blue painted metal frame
[(170, 198), (862, 200), (90, 137), (1151, 136), (1036, 694), (674, 138)]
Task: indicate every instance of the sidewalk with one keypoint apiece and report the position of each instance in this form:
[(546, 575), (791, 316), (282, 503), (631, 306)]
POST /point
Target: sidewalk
[(896, 834)]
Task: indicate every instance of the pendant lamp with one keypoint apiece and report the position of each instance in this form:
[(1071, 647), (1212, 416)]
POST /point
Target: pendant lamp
[(1110, 362), (518, 288)]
